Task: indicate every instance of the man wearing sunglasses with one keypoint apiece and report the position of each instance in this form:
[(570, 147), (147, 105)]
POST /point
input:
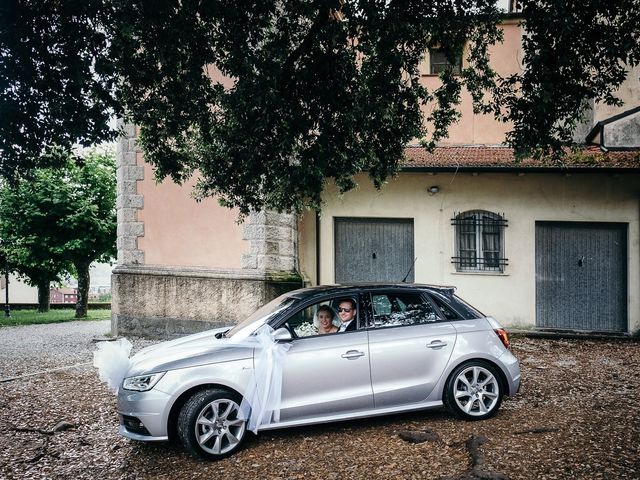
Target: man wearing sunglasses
[(347, 313)]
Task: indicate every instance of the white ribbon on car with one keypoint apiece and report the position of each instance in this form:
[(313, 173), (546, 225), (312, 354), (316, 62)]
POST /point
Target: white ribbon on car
[(112, 361), (261, 402)]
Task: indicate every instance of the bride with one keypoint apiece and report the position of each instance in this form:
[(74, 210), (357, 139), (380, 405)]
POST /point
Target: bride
[(324, 320)]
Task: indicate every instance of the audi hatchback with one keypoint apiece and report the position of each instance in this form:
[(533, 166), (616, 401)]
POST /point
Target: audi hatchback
[(336, 353)]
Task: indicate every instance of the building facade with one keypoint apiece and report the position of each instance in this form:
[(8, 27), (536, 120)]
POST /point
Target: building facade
[(536, 246), (63, 295)]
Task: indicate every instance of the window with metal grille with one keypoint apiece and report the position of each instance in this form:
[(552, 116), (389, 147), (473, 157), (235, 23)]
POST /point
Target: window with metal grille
[(438, 62), (479, 241)]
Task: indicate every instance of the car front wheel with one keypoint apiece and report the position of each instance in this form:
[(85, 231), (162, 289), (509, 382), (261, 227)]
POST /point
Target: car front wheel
[(210, 425), (473, 391)]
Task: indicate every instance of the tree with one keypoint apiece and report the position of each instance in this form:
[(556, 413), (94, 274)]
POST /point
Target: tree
[(320, 89), (329, 88), (55, 81), (575, 52), (29, 257), (61, 218)]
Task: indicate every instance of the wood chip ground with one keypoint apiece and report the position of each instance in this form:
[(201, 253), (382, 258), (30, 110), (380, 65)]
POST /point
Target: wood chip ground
[(576, 417)]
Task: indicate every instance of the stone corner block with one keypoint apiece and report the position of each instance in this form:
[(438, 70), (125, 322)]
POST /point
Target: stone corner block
[(130, 257), (275, 262), (249, 262)]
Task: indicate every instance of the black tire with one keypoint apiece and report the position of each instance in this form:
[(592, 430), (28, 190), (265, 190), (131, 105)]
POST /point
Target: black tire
[(471, 399), (205, 430)]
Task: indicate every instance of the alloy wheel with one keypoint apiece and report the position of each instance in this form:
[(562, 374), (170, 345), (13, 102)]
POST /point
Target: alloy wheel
[(218, 428), (476, 391)]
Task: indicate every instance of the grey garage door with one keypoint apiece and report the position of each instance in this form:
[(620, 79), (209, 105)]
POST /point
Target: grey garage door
[(581, 276), (373, 249)]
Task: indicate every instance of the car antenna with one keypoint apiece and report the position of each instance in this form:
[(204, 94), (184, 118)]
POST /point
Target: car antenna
[(410, 268)]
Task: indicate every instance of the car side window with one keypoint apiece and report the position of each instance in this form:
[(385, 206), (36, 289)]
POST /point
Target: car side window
[(397, 309), (316, 319)]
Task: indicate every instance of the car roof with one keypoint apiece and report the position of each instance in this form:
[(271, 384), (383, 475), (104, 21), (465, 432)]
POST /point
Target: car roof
[(323, 290)]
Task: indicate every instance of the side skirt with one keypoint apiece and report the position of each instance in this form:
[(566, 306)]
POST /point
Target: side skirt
[(353, 416)]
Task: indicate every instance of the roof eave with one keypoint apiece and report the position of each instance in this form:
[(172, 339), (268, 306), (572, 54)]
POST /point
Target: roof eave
[(518, 169)]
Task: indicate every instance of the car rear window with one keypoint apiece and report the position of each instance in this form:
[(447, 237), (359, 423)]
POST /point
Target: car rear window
[(454, 308)]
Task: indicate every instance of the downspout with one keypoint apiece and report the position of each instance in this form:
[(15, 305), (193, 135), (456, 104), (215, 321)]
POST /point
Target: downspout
[(317, 248), (603, 147)]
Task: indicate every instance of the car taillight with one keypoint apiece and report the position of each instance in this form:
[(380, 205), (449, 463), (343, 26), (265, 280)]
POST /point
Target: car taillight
[(503, 335)]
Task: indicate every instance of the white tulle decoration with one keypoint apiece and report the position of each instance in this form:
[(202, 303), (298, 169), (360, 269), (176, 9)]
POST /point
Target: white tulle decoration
[(112, 361), (261, 402)]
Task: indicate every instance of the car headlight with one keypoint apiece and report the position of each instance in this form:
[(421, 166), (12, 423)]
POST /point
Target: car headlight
[(142, 383)]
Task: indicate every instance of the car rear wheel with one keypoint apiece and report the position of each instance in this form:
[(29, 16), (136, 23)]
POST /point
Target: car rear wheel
[(473, 391), (210, 425)]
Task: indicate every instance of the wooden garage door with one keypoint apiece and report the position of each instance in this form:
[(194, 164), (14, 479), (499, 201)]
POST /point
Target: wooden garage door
[(581, 276), (373, 250)]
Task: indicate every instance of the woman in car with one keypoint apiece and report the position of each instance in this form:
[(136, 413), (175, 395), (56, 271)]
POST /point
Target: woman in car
[(324, 320)]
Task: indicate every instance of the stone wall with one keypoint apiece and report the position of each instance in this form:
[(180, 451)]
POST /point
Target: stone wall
[(128, 202), (273, 239), (167, 302), (623, 133)]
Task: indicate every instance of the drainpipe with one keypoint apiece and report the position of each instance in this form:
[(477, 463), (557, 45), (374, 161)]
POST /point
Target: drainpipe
[(317, 248)]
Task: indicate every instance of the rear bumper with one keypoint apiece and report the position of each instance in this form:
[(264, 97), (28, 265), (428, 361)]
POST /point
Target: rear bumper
[(512, 370)]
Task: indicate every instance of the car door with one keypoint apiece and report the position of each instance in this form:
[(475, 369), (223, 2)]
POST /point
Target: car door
[(324, 374), (409, 347)]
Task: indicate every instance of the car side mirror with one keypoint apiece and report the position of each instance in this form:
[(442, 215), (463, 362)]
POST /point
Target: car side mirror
[(282, 334)]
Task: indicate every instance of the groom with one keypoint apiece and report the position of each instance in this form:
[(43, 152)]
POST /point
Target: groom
[(347, 313)]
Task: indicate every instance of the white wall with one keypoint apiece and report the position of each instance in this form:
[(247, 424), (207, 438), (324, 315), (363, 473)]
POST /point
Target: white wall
[(19, 292), (523, 199)]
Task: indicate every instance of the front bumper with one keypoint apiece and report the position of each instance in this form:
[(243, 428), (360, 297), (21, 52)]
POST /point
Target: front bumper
[(150, 409)]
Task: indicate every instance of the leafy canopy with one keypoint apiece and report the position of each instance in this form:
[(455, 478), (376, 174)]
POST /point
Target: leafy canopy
[(330, 88), (56, 81), (315, 89), (575, 53)]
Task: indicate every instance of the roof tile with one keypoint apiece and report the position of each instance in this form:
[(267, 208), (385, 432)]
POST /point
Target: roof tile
[(503, 157)]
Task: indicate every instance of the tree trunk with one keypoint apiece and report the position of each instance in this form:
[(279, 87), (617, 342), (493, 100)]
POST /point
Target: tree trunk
[(44, 292), (83, 289)]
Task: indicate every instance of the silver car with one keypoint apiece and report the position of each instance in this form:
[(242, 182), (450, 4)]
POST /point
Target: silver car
[(407, 348)]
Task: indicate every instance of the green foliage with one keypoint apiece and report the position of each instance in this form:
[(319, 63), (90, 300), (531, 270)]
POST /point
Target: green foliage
[(319, 89), (315, 90), (30, 317), (59, 218), (327, 89), (104, 298), (575, 53), (55, 80)]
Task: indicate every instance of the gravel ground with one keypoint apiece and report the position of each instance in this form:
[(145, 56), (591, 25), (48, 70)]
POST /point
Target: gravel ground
[(575, 417)]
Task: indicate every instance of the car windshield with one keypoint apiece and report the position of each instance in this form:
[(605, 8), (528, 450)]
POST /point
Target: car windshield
[(266, 312)]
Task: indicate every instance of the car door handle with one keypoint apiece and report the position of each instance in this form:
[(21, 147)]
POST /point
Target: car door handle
[(437, 344), (351, 354)]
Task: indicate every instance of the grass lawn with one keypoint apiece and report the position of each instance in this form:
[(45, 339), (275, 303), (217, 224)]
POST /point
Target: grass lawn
[(29, 317)]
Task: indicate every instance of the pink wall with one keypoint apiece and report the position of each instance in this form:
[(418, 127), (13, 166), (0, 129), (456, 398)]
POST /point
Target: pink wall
[(474, 129), (182, 232)]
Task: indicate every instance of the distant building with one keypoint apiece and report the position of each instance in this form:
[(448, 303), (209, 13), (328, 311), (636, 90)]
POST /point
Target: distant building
[(96, 292), (63, 295), (19, 291)]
